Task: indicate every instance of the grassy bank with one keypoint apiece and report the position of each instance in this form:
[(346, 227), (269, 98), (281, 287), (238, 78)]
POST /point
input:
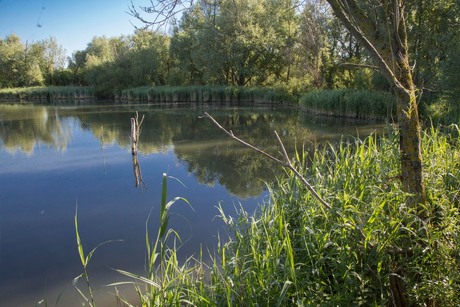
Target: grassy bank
[(361, 104), (207, 94), (294, 251), (350, 103), (47, 93)]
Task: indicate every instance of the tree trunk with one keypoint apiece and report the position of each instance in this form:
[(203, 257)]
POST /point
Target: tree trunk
[(408, 117), (410, 149), (381, 29), (385, 39)]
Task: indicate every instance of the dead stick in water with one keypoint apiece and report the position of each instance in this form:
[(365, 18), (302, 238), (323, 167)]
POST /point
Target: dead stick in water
[(135, 132)]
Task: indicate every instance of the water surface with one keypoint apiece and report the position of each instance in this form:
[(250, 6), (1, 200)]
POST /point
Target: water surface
[(55, 159)]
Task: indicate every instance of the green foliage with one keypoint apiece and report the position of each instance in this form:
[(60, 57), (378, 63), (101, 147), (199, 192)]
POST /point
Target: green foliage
[(444, 111), (350, 103), (29, 65), (167, 282), (110, 65), (436, 56), (238, 43), (296, 252), (47, 94)]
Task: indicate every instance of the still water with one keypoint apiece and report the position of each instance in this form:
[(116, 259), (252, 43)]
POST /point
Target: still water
[(55, 159)]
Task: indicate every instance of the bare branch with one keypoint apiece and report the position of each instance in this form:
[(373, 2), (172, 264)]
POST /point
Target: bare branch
[(286, 164), (230, 133), (161, 11)]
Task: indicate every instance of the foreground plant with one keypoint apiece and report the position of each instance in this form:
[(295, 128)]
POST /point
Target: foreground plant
[(85, 260), (295, 251), (167, 281)]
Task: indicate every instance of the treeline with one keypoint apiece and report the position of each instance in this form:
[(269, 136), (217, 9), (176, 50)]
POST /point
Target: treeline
[(39, 63), (283, 44)]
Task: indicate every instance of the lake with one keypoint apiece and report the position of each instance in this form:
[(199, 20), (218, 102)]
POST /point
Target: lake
[(56, 159)]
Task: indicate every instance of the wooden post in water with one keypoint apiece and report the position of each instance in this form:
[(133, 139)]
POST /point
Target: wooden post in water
[(135, 132), (134, 136)]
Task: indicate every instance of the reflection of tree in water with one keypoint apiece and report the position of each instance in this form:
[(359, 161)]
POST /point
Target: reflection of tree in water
[(25, 127), (240, 170), (115, 127), (209, 154)]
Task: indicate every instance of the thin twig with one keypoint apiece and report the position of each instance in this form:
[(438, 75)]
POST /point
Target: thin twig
[(286, 164), (230, 133)]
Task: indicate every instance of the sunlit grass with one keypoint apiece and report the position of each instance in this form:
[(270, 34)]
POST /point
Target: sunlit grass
[(294, 251)]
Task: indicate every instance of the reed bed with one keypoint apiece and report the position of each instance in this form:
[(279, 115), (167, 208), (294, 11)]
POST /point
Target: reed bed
[(206, 94), (47, 93), (350, 103), (294, 251)]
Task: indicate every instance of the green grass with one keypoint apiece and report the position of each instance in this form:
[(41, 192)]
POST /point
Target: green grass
[(47, 93), (167, 282), (350, 103), (294, 251), (206, 94)]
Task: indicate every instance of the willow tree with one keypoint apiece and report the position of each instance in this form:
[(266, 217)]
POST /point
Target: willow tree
[(380, 26)]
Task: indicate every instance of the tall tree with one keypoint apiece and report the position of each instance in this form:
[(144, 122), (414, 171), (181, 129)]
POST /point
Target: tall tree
[(233, 41), (380, 27), (11, 60), (50, 56), (20, 65)]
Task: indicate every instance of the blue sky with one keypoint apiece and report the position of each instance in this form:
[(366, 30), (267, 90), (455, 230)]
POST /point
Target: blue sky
[(73, 23)]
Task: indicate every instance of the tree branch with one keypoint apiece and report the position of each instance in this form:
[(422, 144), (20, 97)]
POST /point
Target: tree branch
[(364, 30), (287, 164), (163, 11)]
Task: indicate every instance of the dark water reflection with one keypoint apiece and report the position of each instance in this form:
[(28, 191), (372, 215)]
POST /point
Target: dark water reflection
[(54, 158)]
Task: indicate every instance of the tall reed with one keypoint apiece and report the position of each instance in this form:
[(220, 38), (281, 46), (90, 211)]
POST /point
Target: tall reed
[(207, 94), (350, 103), (85, 260), (295, 252), (48, 94), (167, 282)]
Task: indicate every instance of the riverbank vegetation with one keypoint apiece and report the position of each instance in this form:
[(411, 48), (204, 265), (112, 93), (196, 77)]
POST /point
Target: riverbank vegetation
[(256, 44), (208, 94), (295, 251), (362, 104), (47, 93)]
